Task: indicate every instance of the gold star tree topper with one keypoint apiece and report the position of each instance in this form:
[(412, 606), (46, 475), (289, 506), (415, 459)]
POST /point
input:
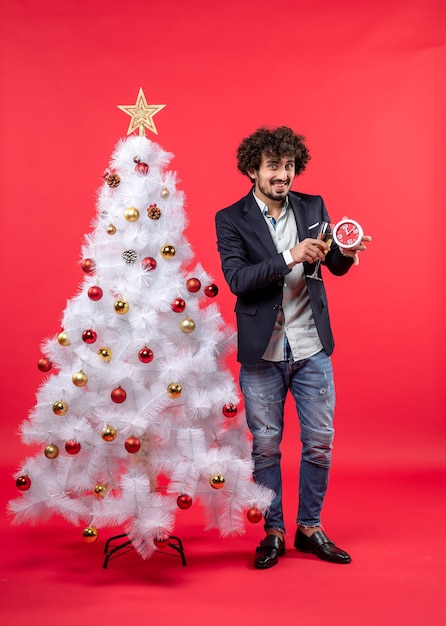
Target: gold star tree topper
[(142, 114)]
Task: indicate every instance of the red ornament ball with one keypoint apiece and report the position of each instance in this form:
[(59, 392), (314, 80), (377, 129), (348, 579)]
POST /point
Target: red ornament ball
[(229, 410), (72, 447), (145, 355), (44, 364), (148, 263), (161, 542), (142, 168), (89, 336), (254, 515), (95, 293), (88, 266), (193, 285), (184, 501), (118, 395), (211, 291), (23, 483), (178, 305), (132, 444)]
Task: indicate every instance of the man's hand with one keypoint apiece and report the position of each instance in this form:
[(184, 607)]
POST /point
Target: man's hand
[(354, 252), (309, 250)]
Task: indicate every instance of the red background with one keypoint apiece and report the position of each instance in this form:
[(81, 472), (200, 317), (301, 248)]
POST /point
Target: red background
[(363, 81)]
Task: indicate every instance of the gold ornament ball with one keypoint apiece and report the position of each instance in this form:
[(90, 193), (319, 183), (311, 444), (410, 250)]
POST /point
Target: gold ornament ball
[(165, 192), (111, 229), (105, 354), (217, 481), (187, 325), (108, 433), (131, 214), (51, 451), (62, 338), (80, 379), (121, 307), (60, 407), (90, 534), (100, 490), (168, 251), (174, 390)]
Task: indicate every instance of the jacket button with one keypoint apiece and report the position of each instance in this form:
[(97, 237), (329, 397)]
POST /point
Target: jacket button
[(275, 307)]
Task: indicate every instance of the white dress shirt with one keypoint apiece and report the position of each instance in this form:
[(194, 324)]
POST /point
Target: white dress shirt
[(295, 319)]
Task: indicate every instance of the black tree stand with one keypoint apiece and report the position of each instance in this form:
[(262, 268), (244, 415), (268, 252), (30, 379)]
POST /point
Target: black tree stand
[(112, 551)]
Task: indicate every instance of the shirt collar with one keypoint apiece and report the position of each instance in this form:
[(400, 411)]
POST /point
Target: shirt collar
[(264, 207)]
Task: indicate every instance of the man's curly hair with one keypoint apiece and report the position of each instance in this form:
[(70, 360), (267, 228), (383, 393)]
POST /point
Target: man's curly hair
[(279, 142)]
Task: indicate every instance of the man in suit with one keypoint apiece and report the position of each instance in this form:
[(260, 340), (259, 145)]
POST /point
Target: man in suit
[(268, 247)]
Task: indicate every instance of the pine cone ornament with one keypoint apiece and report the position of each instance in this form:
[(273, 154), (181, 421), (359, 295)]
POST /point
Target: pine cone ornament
[(154, 212), (129, 256), (113, 180)]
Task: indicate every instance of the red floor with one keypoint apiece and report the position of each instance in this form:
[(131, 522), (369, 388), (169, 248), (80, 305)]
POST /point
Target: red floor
[(392, 524)]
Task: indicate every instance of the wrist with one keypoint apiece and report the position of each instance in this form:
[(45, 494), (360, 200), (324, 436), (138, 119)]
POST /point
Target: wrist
[(288, 258)]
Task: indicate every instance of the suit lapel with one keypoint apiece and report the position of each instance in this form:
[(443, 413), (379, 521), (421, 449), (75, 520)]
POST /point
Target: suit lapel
[(301, 215), (257, 223)]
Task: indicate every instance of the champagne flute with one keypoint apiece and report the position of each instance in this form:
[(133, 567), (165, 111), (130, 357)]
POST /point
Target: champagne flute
[(325, 234)]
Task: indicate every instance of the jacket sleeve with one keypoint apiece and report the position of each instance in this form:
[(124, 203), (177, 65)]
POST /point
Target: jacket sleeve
[(247, 267), (336, 262)]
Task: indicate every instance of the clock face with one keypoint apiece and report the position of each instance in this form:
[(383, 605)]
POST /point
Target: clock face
[(348, 233)]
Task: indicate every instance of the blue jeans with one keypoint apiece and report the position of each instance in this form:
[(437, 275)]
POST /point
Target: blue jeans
[(265, 386)]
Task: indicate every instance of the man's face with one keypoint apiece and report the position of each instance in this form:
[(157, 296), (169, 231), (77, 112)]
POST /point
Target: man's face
[(274, 177)]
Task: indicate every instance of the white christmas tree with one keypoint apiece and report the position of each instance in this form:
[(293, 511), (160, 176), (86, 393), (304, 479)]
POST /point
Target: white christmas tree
[(138, 415)]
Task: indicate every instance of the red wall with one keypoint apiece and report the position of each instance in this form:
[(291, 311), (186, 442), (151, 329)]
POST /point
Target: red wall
[(363, 81)]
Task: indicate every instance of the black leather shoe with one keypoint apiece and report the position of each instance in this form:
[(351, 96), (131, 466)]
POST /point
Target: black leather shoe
[(268, 552), (320, 545)]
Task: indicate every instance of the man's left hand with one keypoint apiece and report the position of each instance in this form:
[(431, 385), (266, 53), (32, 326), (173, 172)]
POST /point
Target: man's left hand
[(354, 252)]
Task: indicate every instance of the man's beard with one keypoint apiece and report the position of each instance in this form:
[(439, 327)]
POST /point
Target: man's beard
[(272, 195)]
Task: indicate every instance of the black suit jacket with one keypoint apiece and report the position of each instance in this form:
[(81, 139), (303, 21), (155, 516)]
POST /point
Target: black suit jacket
[(255, 271)]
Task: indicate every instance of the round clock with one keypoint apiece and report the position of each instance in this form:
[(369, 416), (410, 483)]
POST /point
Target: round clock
[(347, 233)]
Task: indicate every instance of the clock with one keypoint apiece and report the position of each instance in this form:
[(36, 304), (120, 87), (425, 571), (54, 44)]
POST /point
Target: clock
[(347, 233)]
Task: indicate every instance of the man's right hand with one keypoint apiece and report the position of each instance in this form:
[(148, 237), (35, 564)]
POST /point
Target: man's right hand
[(309, 250)]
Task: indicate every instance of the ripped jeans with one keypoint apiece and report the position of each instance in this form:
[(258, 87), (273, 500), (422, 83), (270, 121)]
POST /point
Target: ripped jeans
[(264, 387)]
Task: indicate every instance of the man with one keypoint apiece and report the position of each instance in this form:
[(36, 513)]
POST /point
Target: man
[(267, 244)]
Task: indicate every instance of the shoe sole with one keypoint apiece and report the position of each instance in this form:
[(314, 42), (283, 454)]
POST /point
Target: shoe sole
[(322, 558)]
